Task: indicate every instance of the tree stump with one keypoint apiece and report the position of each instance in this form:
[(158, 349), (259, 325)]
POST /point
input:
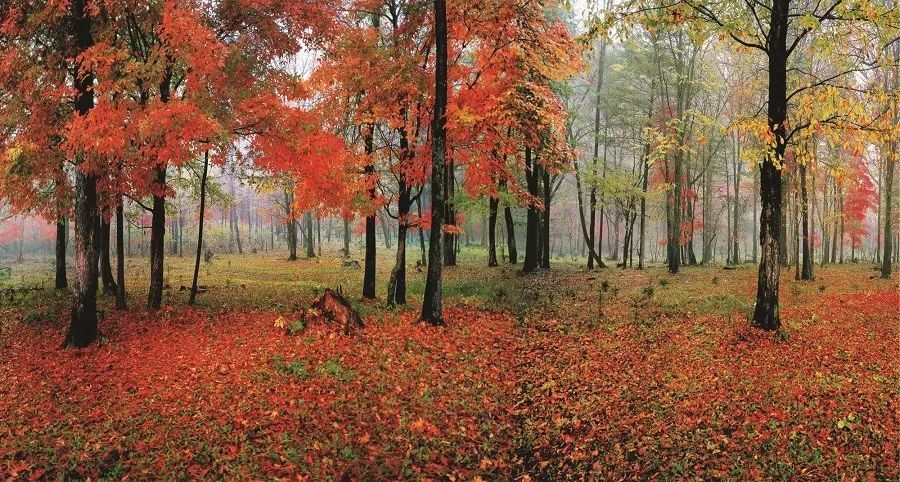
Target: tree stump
[(337, 311)]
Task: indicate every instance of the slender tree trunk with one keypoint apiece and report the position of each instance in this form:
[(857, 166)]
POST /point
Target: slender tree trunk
[(61, 232), (120, 256), (735, 253), (385, 229), (888, 215), (347, 235), (841, 237), (397, 281), (823, 223), (766, 314), (595, 254), (890, 165), (157, 244), (806, 271), (510, 229), (310, 248), (423, 261), (493, 207), (532, 178), (369, 275), (644, 183), (432, 310), (193, 296), (291, 224), (109, 283), (755, 215), (158, 223), (236, 222), (586, 234), (545, 223), (83, 327)]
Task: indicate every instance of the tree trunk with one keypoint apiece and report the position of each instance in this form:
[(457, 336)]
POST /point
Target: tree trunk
[(310, 247), (61, 232), (806, 270), (423, 254), (385, 229), (510, 229), (493, 207), (587, 236), (432, 310), (158, 223), (545, 222), (193, 296), (890, 166), (236, 222), (369, 276), (735, 256), (397, 281), (766, 314), (157, 243), (83, 327), (532, 179), (120, 256), (291, 225), (109, 283), (347, 235)]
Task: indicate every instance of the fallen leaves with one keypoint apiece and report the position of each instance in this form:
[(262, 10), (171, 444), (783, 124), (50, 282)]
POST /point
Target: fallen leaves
[(193, 393)]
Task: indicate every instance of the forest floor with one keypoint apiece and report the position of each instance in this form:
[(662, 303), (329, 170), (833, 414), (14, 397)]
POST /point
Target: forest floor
[(564, 374)]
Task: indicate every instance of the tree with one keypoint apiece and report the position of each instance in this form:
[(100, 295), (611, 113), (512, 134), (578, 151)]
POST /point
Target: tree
[(83, 326), (777, 37), (432, 306)]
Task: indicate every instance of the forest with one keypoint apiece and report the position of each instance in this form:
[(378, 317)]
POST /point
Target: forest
[(449, 239)]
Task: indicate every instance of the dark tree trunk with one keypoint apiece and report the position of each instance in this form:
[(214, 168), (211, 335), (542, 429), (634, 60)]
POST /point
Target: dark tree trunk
[(432, 310), (673, 242), (369, 276), (423, 253), (193, 296), (120, 256), (236, 223), (291, 225), (545, 222), (173, 240), (310, 248), (588, 237), (347, 235), (109, 283), (61, 231), (83, 327), (493, 207), (510, 230), (158, 223), (532, 178), (397, 281), (157, 244), (766, 314)]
